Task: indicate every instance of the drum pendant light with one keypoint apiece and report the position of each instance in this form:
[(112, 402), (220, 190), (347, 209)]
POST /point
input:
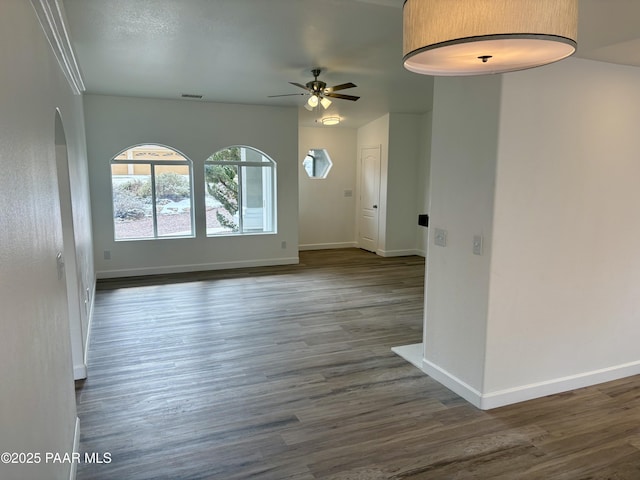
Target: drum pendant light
[(475, 37)]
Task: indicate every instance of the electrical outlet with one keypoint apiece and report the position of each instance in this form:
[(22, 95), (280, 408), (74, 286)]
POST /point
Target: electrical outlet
[(440, 237), (107, 255), (283, 245), (477, 244)]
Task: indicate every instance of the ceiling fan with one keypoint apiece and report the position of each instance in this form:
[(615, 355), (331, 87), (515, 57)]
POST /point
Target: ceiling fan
[(319, 92)]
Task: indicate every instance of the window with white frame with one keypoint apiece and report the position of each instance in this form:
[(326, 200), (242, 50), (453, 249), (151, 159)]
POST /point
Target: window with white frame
[(317, 163), (240, 186), (152, 193)]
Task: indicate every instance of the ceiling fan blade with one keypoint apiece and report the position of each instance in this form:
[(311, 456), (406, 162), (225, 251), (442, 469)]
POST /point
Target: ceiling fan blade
[(286, 95), (299, 85), (342, 96), (342, 86)]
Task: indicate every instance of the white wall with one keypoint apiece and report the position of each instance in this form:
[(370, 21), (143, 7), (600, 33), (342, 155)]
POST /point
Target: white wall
[(329, 220), (37, 405), (543, 163), (196, 129), (402, 195), (565, 280), (424, 166), (327, 216), (403, 139), (374, 134), (463, 159)]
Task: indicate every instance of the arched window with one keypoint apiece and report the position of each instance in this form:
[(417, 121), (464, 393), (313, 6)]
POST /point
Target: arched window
[(240, 185), (152, 193)]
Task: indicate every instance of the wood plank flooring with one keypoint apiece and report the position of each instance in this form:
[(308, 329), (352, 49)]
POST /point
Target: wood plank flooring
[(287, 373)]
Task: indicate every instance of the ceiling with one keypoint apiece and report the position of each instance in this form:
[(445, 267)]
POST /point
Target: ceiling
[(242, 51)]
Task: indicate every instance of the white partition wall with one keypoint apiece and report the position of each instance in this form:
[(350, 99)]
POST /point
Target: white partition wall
[(565, 269), (542, 165), (463, 163)]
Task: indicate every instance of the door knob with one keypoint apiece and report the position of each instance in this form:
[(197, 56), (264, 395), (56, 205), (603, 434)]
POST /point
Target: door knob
[(375, 206)]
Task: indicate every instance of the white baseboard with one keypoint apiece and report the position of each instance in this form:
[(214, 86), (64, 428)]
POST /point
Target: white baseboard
[(89, 324), (326, 246), (80, 371), (558, 385), (487, 401), (135, 272), (453, 383), (414, 355), (397, 253), (73, 470)]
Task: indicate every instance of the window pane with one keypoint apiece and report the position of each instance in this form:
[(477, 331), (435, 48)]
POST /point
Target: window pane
[(231, 154), (142, 210), (132, 210), (221, 185), (240, 197), (257, 195), (251, 155), (155, 153), (317, 163), (173, 201)]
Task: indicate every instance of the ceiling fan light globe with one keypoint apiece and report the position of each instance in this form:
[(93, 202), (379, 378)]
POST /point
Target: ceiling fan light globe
[(313, 101), (325, 102)]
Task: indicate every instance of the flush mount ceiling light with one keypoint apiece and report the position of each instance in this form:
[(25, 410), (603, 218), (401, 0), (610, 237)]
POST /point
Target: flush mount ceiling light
[(474, 37), (330, 120)]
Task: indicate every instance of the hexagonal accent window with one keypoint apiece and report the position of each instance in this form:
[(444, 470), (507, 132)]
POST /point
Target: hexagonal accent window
[(317, 163)]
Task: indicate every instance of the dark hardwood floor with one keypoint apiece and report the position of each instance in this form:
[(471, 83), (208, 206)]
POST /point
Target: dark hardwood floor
[(287, 373)]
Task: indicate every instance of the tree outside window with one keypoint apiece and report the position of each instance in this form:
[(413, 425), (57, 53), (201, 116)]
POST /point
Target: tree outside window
[(240, 186)]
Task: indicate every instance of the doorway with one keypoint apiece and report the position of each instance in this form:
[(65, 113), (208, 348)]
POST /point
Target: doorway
[(74, 294)]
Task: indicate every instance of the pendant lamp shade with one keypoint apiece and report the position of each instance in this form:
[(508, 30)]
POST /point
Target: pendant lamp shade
[(474, 37)]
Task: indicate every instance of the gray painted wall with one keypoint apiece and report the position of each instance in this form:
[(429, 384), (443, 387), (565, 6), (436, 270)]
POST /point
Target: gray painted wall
[(197, 130), (37, 405)]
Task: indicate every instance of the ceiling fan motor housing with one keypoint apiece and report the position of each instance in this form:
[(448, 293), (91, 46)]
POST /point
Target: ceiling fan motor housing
[(316, 86)]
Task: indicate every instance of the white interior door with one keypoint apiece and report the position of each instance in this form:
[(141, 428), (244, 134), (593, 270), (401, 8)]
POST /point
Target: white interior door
[(369, 198)]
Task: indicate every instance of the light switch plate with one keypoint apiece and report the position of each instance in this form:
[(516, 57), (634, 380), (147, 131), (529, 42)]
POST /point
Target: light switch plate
[(440, 237)]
